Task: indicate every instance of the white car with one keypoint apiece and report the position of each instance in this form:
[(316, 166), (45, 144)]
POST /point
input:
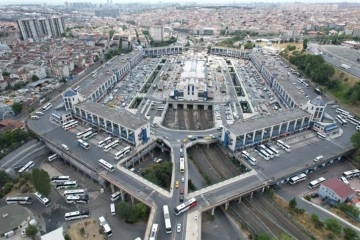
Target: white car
[(318, 158), (178, 227), (65, 147), (344, 180)]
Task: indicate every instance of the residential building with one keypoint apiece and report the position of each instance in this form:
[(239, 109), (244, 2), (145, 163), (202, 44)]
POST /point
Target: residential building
[(157, 32), (336, 190)]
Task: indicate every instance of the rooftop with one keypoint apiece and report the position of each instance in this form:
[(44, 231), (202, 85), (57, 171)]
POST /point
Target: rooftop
[(340, 188), (11, 217), (254, 124), (123, 117)]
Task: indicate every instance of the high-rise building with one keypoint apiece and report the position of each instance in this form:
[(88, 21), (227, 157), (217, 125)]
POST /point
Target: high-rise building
[(157, 32), (41, 28)]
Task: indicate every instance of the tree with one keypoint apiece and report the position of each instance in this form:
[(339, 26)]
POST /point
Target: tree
[(317, 223), (123, 210), (333, 226), (293, 203), (17, 107), (305, 43), (41, 180), (6, 74), (34, 78), (130, 213), (350, 234), (31, 231)]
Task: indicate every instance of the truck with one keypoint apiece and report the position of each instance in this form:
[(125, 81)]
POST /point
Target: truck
[(345, 66)]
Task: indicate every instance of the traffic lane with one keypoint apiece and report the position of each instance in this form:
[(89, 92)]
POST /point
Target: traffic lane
[(195, 176)]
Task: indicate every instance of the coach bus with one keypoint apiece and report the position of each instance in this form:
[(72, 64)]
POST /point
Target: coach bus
[(104, 142), (74, 192), (342, 112), (271, 154), (70, 125), (68, 122), (341, 120), (19, 200), (185, 206), (27, 167), (84, 199), (182, 165), (111, 145), (262, 153), (321, 135), (115, 196), (249, 158), (167, 219), (88, 135), (298, 178), (106, 165), (283, 145), (122, 153), (316, 183), (59, 179), (154, 232), (67, 184), (83, 144), (42, 199), (353, 121), (275, 152), (351, 173), (80, 134), (47, 107), (105, 226), (77, 215)]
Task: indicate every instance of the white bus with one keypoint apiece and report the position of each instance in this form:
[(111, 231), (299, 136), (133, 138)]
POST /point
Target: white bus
[(84, 199), (122, 153), (115, 196), (262, 153), (66, 123), (74, 192), (267, 150), (104, 142), (106, 165), (353, 121), (111, 145), (283, 145), (321, 135), (70, 125), (47, 107), (83, 144), (298, 178), (52, 157), (80, 134), (167, 219), (275, 152), (351, 173), (42, 199), (342, 112), (27, 167), (59, 179), (105, 226), (67, 184), (88, 135), (182, 165), (77, 215), (19, 200), (341, 120), (249, 158), (154, 232), (112, 209), (316, 183)]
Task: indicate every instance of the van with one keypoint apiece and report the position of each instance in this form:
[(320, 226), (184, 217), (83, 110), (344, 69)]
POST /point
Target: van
[(343, 179), (318, 158), (34, 117), (39, 113), (65, 147), (112, 209), (52, 157)]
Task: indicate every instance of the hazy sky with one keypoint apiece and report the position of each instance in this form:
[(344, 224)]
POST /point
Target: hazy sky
[(165, 1)]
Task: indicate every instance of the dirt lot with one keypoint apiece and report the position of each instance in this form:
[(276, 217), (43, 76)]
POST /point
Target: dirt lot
[(89, 228)]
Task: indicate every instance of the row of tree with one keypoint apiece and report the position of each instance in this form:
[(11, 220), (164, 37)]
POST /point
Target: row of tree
[(10, 140), (159, 174)]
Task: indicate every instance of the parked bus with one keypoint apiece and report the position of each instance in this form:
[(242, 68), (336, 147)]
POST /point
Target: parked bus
[(52, 157), (47, 107), (111, 145), (267, 150), (74, 192), (83, 144), (353, 121), (316, 183), (115, 196), (84, 199), (342, 112), (122, 153), (317, 90), (262, 153), (88, 135), (341, 120), (67, 184), (112, 209), (27, 167), (104, 142), (80, 134), (42, 199), (154, 232), (249, 158), (298, 178), (283, 145), (105, 226), (185, 206), (321, 135), (19, 200), (167, 219), (77, 215), (68, 122), (60, 179), (182, 165), (106, 165), (70, 125), (351, 173), (275, 152)]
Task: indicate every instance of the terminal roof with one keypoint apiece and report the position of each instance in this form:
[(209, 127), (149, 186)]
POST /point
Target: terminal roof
[(122, 117), (253, 124)]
